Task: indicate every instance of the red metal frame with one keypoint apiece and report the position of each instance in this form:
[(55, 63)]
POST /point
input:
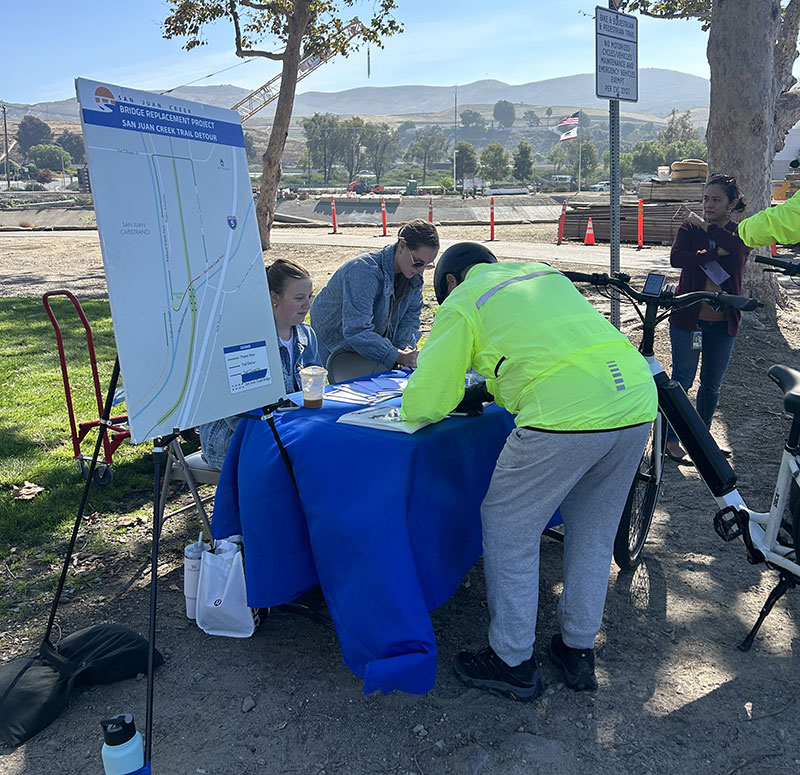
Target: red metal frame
[(116, 433)]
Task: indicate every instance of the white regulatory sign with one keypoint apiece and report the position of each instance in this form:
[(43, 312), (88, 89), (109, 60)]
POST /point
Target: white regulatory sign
[(616, 52)]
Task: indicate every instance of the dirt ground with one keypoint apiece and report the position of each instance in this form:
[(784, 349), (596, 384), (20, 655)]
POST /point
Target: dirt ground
[(675, 693)]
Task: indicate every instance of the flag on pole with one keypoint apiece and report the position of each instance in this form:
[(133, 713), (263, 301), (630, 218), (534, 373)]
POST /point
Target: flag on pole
[(571, 120), (571, 134)]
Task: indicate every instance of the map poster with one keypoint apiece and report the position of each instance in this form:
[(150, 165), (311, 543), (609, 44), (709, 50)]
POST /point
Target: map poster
[(189, 300)]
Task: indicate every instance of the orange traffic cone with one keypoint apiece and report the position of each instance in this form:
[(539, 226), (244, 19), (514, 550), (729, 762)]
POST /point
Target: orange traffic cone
[(589, 238)]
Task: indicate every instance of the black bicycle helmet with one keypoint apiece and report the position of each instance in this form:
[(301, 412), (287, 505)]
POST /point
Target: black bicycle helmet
[(455, 260)]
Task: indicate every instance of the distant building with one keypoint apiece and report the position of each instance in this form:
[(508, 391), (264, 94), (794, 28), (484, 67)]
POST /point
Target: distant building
[(791, 151)]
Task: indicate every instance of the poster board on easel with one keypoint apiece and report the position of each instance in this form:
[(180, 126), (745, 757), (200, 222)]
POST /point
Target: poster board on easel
[(182, 255)]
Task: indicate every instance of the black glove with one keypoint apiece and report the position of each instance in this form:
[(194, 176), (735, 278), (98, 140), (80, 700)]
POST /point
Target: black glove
[(475, 396)]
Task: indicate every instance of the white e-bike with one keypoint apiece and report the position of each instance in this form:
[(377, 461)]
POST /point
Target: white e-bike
[(771, 536)]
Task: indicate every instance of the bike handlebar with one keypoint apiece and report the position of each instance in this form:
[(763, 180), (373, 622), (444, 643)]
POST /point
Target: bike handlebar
[(743, 303), (581, 277), (790, 266), (666, 298)]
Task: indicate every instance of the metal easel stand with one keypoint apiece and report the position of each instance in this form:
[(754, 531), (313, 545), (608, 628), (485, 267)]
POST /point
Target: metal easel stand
[(267, 415), (169, 446), (105, 422), (159, 445)]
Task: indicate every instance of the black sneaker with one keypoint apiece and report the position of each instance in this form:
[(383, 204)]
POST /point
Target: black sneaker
[(577, 664), (485, 670)]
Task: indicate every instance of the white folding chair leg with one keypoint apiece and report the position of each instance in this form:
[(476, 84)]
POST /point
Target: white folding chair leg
[(177, 460)]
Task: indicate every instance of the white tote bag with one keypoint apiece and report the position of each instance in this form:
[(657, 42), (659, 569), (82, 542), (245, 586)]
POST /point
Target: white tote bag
[(221, 597)]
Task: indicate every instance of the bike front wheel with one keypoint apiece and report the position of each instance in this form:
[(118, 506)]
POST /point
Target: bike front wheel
[(642, 498)]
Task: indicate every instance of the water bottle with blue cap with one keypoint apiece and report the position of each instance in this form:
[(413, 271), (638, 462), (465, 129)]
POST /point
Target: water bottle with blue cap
[(123, 747)]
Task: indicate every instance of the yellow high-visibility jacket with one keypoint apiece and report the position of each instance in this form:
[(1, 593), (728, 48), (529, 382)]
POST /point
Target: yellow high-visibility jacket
[(775, 224), (549, 357)]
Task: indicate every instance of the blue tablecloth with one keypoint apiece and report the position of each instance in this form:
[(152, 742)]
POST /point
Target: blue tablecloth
[(387, 523)]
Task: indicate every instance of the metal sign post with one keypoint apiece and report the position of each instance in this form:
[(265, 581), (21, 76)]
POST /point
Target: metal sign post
[(616, 78)]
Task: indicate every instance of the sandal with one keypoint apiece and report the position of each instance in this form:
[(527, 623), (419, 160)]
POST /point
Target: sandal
[(676, 452)]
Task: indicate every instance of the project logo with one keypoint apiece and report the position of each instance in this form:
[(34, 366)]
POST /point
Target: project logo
[(104, 99)]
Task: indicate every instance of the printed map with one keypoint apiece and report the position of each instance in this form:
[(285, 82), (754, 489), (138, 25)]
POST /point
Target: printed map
[(182, 255)]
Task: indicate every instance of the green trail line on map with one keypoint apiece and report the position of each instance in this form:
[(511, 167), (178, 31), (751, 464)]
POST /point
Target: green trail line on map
[(192, 301)]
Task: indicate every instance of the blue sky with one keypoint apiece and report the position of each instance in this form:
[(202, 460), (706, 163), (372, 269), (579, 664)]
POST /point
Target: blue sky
[(445, 42)]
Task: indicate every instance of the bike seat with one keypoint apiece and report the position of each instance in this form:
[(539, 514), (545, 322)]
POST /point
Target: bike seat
[(788, 380)]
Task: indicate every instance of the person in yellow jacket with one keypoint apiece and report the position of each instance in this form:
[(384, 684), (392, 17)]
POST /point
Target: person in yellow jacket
[(775, 224), (584, 400)]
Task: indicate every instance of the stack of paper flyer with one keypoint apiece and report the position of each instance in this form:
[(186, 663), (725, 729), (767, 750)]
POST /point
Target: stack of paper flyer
[(385, 417), (367, 392)]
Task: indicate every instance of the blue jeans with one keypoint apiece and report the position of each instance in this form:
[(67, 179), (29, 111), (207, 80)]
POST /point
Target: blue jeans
[(215, 438), (716, 351)]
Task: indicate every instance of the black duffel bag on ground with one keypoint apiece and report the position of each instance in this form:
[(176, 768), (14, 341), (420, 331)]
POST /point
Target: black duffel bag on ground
[(35, 689)]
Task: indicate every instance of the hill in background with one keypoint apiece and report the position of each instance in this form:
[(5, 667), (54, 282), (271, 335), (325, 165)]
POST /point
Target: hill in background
[(659, 92)]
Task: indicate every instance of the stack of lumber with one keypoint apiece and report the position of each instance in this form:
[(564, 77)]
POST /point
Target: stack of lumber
[(786, 189), (672, 190), (660, 221), (689, 169)]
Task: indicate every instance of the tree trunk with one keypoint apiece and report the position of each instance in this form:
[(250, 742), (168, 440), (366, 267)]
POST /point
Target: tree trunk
[(741, 124), (271, 174)]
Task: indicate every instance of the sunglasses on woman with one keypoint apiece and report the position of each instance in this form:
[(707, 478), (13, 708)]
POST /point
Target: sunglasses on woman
[(417, 263)]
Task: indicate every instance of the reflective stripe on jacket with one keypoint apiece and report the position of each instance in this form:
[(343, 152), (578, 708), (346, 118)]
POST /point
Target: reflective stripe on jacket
[(549, 357)]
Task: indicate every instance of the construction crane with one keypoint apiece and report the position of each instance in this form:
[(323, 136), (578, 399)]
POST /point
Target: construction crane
[(265, 94)]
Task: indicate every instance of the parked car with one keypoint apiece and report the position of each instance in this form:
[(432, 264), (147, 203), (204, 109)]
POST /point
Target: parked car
[(604, 185)]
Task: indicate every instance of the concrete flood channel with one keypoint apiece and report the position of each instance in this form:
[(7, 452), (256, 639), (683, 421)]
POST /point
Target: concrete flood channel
[(366, 208)]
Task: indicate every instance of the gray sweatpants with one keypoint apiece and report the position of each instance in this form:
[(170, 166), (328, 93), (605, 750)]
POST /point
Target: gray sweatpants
[(587, 475)]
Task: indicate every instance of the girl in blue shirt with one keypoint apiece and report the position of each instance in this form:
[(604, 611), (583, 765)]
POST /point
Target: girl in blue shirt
[(290, 295)]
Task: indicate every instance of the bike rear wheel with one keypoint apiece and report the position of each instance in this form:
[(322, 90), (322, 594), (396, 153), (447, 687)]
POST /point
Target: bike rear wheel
[(642, 498)]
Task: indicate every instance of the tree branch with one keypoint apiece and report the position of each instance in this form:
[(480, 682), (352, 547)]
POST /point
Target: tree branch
[(240, 50), (674, 15), (671, 9), (274, 8), (787, 114), (786, 46)]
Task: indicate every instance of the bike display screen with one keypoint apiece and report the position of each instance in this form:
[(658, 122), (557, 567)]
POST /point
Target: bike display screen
[(653, 284)]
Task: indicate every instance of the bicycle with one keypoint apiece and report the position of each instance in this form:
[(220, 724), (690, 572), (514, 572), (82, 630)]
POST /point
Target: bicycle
[(643, 495), (767, 537)]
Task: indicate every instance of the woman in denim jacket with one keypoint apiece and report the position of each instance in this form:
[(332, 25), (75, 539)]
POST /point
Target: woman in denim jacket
[(290, 293), (372, 303)]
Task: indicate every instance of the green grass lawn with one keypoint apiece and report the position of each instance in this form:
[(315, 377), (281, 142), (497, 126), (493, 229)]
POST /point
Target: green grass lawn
[(35, 439)]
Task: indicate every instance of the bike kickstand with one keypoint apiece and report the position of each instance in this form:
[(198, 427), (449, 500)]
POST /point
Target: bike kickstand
[(787, 582)]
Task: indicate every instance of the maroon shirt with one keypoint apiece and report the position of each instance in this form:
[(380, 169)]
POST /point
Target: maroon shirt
[(691, 249)]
